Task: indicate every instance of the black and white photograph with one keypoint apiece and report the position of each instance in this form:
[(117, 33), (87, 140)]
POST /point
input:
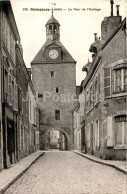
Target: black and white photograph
[(63, 92)]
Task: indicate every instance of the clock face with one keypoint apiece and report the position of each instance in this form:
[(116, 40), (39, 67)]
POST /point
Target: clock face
[(53, 54)]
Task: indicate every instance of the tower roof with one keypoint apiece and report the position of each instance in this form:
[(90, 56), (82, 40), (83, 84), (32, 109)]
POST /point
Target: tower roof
[(40, 58), (52, 20)]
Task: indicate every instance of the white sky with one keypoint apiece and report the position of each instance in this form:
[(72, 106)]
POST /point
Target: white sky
[(76, 31)]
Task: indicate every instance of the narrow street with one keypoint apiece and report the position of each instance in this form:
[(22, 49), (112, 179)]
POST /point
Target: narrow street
[(66, 172)]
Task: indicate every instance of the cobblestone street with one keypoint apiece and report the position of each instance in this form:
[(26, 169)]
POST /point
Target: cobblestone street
[(67, 172)]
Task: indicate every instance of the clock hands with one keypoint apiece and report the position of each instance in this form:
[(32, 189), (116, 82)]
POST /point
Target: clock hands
[(53, 54)]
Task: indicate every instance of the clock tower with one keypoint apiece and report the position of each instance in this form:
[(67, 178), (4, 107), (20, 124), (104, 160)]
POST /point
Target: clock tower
[(54, 79)]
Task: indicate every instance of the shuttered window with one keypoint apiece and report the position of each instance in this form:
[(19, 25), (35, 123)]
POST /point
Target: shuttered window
[(121, 133), (6, 86), (96, 89), (107, 82), (16, 97), (121, 130), (10, 89), (13, 94), (120, 80), (91, 97), (125, 79)]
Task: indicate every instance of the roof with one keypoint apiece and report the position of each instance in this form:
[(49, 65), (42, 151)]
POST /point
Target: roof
[(121, 26), (40, 58), (97, 59), (7, 7), (52, 20)]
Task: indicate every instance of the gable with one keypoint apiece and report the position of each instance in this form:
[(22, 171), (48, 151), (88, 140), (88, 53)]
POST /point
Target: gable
[(40, 58)]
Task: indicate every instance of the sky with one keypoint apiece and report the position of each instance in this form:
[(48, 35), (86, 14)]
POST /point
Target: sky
[(76, 26)]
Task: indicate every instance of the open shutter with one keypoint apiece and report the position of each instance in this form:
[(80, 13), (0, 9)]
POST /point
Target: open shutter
[(16, 97), (109, 132), (107, 82), (10, 89), (98, 80)]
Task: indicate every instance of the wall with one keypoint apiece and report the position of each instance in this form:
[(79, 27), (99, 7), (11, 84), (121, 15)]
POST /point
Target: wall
[(105, 110), (64, 79)]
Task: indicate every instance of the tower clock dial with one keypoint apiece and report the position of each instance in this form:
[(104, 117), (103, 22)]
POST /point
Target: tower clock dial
[(53, 54)]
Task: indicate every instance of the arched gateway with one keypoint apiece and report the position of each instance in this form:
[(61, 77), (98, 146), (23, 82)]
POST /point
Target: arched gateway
[(54, 79), (68, 138)]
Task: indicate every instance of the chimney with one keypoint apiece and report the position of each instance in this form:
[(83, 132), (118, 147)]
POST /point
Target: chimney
[(109, 24), (117, 8), (112, 2), (95, 34)]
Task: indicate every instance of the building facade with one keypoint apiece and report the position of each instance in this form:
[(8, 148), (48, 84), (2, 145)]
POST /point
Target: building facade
[(105, 89), (78, 122), (14, 79), (54, 79)]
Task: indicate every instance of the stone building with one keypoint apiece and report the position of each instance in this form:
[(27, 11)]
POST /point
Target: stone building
[(78, 120), (105, 89), (14, 81), (54, 79)]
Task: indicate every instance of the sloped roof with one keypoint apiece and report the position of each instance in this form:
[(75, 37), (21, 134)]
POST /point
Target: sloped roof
[(52, 20), (40, 58)]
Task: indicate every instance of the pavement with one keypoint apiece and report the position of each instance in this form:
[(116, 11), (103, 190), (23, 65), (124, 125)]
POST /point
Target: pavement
[(65, 172), (118, 165), (10, 175)]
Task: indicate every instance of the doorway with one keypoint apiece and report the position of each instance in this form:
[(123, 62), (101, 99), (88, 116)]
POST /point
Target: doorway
[(10, 140), (91, 147)]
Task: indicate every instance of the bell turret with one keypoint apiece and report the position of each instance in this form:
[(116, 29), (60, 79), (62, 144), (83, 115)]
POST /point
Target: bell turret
[(52, 29)]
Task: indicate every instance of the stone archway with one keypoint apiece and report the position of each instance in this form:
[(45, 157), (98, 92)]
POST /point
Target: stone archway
[(43, 139)]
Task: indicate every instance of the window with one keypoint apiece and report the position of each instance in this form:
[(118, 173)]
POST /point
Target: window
[(16, 96), (87, 100), (121, 130), (79, 139), (91, 97), (57, 90), (97, 134), (10, 89), (120, 80), (19, 100), (40, 95), (97, 89), (125, 78), (50, 29), (6, 86), (34, 115), (57, 114), (107, 82), (55, 29), (13, 93), (52, 73)]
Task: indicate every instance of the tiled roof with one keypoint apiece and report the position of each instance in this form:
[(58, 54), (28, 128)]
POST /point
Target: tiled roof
[(40, 58)]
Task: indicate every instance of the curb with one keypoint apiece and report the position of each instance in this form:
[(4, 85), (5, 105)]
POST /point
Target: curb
[(19, 175), (103, 163)]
